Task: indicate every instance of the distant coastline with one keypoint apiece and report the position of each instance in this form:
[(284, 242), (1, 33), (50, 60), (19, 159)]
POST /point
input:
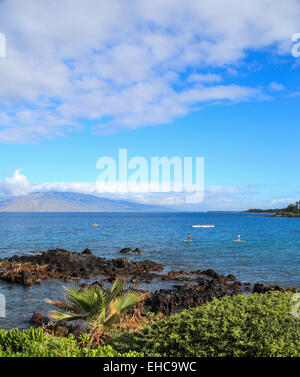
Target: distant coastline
[(292, 210), (253, 211)]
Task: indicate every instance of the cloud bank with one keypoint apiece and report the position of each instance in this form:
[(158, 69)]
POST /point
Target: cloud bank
[(114, 65), (216, 198)]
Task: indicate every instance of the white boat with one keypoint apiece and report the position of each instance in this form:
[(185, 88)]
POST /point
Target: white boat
[(203, 226)]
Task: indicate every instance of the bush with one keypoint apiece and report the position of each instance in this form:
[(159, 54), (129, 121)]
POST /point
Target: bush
[(35, 343), (242, 325)]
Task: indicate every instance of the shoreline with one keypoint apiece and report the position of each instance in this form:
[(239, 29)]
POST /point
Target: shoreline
[(181, 289), (31, 268)]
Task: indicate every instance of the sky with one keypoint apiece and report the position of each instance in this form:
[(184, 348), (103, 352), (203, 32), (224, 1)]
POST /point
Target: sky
[(83, 79)]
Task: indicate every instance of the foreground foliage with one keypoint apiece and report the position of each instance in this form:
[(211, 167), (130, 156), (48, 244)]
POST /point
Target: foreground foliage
[(243, 325), (35, 343), (99, 308)]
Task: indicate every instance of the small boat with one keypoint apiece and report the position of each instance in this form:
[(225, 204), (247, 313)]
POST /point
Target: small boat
[(95, 224), (203, 226)]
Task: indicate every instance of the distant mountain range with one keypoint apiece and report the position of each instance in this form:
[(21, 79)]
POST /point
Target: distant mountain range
[(72, 202)]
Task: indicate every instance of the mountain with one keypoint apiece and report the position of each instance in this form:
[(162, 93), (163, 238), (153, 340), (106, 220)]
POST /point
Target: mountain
[(71, 202)]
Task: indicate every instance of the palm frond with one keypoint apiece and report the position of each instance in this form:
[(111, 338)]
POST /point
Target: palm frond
[(115, 289), (124, 302), (59, 316), (97, 305), (101, 309), (83, 298), (110, 321), (71, 308)]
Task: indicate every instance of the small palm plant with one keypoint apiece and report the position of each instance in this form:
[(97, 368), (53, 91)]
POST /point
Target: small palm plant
[(100, 309)]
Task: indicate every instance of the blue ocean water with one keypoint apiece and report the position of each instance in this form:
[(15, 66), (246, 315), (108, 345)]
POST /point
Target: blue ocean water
[(270, 253)]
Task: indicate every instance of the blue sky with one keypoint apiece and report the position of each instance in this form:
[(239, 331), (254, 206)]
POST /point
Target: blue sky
[(167, 80)]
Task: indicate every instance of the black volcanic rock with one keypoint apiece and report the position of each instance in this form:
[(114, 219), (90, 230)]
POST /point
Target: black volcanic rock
[(55, 328), (168, 301), (63, 264), (137, 251), (198, 286), (263, 288), (128, 250), (87, 252)]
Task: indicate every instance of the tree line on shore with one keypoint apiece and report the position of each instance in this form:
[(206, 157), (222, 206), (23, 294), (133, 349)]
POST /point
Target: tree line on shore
[(292, 210)]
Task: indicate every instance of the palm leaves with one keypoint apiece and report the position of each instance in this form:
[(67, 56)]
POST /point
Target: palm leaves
[(99, 308)]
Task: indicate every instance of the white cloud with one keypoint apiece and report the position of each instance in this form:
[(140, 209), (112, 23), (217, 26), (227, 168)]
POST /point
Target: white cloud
[(204, 78), (293, 95), (16, 185), (282, 202), (216, 198), (71, 60), (276, 86)]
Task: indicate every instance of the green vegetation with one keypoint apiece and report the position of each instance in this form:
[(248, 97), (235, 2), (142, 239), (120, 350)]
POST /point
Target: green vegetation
[(34, 343), (99, 308), (266, 211), (292, 210), (243, 325)]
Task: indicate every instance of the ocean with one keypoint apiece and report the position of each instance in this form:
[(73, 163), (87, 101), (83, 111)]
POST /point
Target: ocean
[(270, 252)]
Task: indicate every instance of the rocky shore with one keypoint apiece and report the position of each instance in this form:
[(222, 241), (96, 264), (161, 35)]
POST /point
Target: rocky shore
[(188, 288), (66, 265)]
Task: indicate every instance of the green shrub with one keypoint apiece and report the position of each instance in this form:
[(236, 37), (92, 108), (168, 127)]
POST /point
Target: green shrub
[(242, 325), (15, 340), (34, 343)]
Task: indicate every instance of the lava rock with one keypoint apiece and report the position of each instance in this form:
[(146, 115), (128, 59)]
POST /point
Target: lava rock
[(55, 328), (126, 250), (137, 251), (87, 252), (231, 277), (63, 264), (38, 319), (184, 296), (263, 288)]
